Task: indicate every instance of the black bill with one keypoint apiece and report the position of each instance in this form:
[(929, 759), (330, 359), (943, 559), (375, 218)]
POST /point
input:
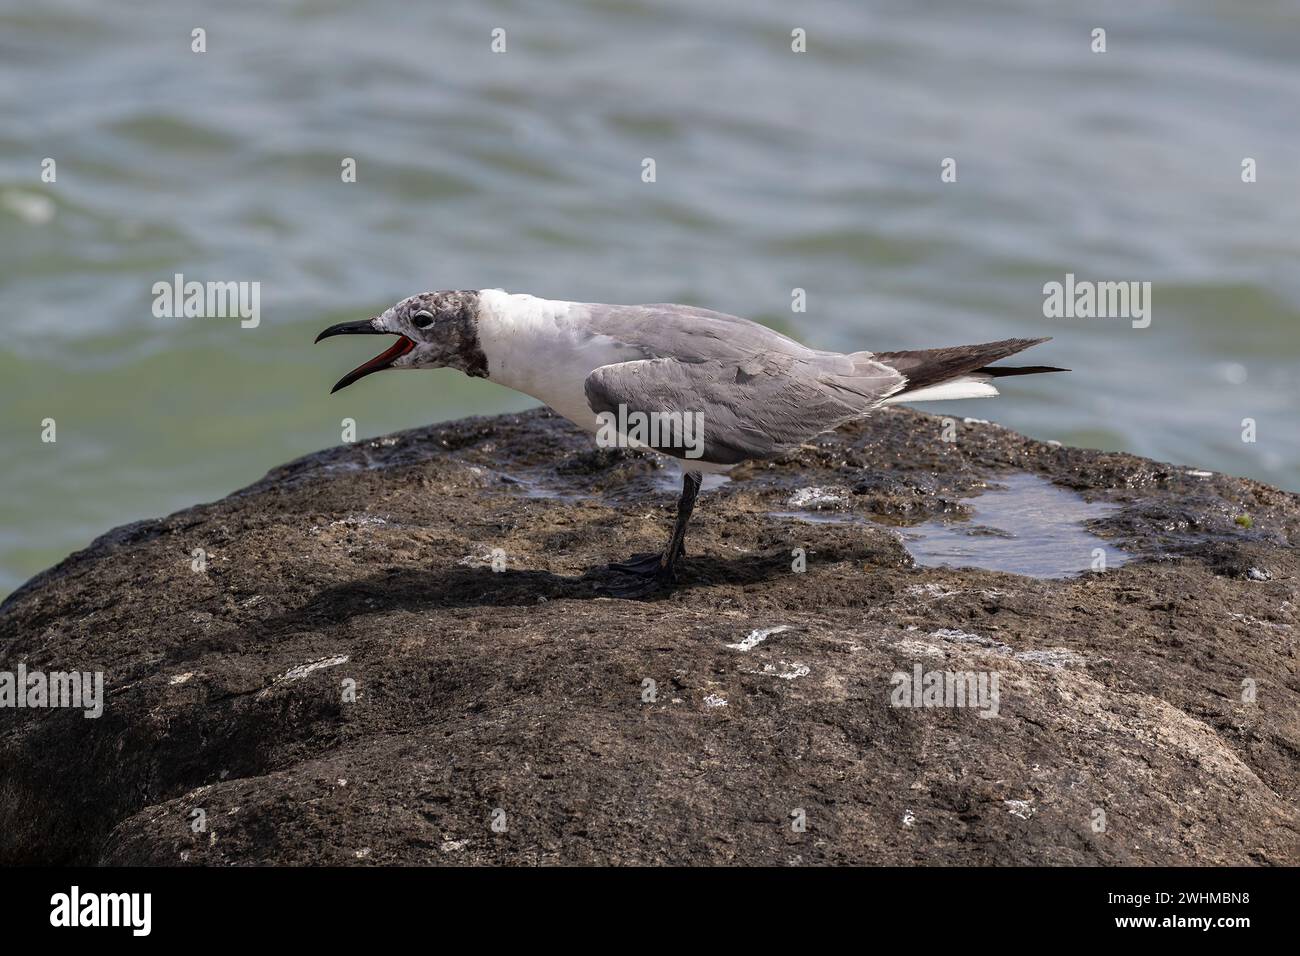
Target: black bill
[(376, 364)]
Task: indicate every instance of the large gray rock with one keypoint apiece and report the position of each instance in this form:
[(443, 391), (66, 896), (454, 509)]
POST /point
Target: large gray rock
[(520, 697)]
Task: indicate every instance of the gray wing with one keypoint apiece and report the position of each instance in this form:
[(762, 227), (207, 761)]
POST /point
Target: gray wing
[(761, 407), (686, 333)]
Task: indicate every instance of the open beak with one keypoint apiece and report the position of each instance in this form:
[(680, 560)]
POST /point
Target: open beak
[(380, 361)]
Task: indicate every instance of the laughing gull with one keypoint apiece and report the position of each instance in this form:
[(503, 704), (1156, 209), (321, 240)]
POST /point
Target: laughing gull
[(754, 393)]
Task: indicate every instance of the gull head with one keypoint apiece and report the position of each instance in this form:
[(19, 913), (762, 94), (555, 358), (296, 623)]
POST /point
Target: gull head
[(433, 329)]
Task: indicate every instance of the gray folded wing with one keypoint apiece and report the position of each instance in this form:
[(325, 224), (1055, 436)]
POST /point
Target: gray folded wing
[(760, 407)]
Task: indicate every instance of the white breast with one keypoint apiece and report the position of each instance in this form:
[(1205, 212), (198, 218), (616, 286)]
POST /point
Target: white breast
[(538, 347), (542, 348)]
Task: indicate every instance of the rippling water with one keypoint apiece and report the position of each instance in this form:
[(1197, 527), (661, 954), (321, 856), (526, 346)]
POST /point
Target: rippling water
[(522, 170)]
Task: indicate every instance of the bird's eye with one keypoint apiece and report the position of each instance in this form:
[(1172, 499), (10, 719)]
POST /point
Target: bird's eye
[(422, 319)]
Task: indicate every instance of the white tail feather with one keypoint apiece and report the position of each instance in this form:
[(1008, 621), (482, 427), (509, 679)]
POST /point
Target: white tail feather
[(968, 386)]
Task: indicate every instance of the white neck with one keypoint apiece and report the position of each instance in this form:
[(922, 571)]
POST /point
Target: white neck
[(543, 348)]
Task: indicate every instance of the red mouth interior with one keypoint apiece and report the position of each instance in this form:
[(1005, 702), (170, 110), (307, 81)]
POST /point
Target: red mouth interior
[(381, 361), (384, 358)]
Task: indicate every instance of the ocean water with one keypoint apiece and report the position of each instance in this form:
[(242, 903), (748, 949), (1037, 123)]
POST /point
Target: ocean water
[(775, 171)]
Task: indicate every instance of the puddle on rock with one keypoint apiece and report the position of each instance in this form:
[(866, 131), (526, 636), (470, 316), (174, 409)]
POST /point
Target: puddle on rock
[(1029, 527), (670, 479)]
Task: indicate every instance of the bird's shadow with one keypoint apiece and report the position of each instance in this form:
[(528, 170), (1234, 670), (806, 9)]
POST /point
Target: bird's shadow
[(408, 589)]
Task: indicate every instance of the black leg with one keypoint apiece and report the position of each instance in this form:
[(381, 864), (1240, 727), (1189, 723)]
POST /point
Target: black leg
[(685, 505), (661, 569)]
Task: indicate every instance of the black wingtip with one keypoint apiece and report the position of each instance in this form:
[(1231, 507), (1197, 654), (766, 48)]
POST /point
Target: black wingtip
[(1002, 371)]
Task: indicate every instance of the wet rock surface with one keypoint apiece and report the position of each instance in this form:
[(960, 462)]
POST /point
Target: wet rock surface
[(348, 679)]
